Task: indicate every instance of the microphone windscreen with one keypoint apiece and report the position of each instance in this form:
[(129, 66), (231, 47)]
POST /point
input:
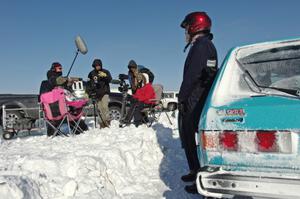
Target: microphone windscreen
[(80, 44)]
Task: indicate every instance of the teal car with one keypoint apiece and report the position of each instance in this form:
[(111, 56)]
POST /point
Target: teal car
[(248, 140)]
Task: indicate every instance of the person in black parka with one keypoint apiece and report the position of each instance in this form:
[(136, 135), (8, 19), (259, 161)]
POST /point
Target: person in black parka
[(199, 71), (99, 90)]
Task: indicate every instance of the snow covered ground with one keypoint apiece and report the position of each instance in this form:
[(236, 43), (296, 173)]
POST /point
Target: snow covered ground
[(109, 163)]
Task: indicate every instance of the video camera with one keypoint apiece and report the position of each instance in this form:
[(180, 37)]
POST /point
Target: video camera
[(91, 89), (123, 85)]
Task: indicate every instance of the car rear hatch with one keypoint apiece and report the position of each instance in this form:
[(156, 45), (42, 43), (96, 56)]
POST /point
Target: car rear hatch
[(252, 116), (250, 126), (263, 135)]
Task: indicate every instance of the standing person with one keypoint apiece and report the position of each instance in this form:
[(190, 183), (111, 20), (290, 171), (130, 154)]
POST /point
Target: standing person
[(133, 71), (100, 79), (133, 76), (199, 71)]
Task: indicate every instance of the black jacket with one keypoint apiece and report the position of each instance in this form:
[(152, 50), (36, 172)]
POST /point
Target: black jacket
[(199, 71), (52, 79), (99, 85)]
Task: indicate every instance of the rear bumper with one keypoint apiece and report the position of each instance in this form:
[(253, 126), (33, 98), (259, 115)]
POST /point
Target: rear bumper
[(223, 184)]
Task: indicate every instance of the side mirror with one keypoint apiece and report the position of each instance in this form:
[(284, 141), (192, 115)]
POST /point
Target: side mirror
[(81, 46)]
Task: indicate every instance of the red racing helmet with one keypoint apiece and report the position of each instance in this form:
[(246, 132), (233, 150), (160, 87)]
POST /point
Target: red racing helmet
[(196, 22)]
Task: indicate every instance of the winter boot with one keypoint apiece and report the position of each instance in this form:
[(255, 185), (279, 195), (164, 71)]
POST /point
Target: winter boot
[(190, 177), (191, 188), (102, 125), (107, 123), (137, 123)]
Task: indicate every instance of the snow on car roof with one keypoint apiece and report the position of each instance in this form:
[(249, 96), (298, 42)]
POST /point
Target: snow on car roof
[(244, 51)]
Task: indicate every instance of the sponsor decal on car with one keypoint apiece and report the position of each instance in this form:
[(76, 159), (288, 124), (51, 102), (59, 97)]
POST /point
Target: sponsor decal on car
[(231, 112)]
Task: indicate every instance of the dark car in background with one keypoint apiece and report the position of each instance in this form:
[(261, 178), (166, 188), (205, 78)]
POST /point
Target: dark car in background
[(27, 102), (22, 110)]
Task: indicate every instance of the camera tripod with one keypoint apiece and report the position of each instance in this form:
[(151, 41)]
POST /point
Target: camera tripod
[(98, 113), (124, 90)]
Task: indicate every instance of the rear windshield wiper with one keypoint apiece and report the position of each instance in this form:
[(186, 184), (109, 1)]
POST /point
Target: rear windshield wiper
[(258, 88), (248, 78), (285, 90)]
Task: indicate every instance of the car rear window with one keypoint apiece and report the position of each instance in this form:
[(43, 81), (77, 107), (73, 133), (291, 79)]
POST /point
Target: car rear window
[(276, 67), (168, 95), (270, 64)]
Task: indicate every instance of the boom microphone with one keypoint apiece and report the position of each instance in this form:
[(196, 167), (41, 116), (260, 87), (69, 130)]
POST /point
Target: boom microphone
[(81, 47), (80, 44)]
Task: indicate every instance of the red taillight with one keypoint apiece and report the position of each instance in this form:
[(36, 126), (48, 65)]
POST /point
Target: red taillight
[(248, 141), (229, 140), (266, 141), (220, 140)]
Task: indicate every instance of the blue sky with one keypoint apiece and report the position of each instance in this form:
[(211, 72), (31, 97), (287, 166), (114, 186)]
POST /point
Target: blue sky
[(35, 33)]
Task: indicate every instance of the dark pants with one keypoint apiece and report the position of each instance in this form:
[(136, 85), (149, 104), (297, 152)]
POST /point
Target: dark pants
[(189, 126), (135, 111)]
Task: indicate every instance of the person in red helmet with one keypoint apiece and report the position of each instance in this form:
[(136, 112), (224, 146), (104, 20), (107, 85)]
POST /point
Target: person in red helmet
[(199, 71)]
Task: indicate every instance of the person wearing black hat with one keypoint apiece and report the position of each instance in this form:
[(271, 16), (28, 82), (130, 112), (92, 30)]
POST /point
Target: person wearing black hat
[(55, 79), (99, 80), (133, 75)]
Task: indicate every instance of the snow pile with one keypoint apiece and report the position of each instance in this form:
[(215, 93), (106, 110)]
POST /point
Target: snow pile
[(117, 162)]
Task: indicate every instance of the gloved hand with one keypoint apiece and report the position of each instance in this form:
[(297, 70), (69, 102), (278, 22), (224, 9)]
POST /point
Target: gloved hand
[(102, 74), (70, 81)]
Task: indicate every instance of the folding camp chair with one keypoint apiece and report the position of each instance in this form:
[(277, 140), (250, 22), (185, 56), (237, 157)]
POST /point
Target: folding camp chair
[(58, 111), (154, 110)]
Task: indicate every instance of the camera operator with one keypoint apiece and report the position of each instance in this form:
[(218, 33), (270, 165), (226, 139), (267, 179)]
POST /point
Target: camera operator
[(99, 90), (132, 75), (133, 71), (142, 97)]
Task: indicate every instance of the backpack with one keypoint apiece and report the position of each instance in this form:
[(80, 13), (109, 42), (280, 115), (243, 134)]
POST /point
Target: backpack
[(143, 69), (44, 88)]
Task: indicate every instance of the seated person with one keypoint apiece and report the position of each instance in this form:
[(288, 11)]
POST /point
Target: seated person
[(55, 78), (141, 98)]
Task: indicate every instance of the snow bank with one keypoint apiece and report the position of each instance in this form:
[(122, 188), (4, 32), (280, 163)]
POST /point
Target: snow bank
[(117, 162)]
